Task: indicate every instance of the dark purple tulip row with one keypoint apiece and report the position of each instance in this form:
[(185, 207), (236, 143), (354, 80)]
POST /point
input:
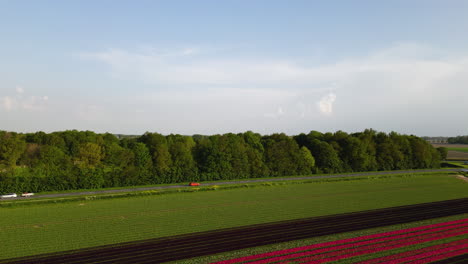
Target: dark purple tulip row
[(340, 249), (437, 248)]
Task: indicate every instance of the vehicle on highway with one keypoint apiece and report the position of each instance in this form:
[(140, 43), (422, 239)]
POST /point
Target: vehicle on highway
[(27, 194), (9, 195), (194, 184)]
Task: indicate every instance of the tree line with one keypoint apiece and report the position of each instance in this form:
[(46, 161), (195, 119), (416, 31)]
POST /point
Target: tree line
[(71, 160), (458, 140)]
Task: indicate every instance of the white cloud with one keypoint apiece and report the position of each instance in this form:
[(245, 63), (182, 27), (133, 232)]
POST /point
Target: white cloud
[(403, 83), (34, 103), (19, 89), (399, 62), (8, 103), (19, 102), (325, 104)]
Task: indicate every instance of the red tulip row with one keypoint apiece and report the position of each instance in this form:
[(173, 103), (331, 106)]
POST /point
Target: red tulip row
[(363, 244), (322, 258), (404, 255), (440, 256)]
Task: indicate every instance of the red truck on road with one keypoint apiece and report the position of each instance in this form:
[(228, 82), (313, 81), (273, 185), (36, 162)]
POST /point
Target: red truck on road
[(194, 184)]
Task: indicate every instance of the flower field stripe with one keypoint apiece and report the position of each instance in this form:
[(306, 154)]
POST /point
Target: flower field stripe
[(429, 254), (386, 259), (440, 256), (320, 259), (337, 242), (369, 244)]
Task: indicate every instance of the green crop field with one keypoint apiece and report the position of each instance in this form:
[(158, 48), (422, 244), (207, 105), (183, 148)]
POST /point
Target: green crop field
[(46, 228), (459, 149)]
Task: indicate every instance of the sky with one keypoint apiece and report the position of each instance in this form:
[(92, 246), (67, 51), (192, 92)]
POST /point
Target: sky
[(209, 67)]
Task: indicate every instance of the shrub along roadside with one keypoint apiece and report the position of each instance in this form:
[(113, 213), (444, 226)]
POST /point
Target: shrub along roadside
[(202, 188)]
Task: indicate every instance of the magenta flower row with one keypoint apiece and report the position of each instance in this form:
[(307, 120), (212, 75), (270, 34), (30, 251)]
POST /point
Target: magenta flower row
[(380, 247), (429, 254), (376, 243), (440, 256), (413, 252), (374, 250), (338, 242)]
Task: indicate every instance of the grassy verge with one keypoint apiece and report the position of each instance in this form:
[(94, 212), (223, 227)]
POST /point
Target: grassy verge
[(37, 201), (417, 171), (305, 242), (44, 228), (455, 164)]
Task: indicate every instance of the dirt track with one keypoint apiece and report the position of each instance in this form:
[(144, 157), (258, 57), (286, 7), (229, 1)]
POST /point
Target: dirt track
[(212, 242)]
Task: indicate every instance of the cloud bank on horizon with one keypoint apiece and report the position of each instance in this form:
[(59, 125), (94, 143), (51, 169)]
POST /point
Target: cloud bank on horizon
[(399, 88), (402, 88), (134, 69)]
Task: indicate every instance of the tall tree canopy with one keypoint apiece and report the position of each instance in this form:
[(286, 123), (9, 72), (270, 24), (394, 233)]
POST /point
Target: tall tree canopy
[(84, 159)]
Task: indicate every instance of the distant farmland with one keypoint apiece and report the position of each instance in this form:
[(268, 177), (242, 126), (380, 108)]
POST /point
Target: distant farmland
[(455, 151)]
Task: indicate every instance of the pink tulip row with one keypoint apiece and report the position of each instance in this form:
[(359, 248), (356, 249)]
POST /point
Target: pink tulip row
[(435, 255), (388, 259), (440, 256), (344, 241), (370, 244), (320, 259)]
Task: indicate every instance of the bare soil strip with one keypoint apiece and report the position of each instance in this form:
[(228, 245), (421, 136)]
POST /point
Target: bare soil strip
[(461, 177), (207, 243), (458, 259)]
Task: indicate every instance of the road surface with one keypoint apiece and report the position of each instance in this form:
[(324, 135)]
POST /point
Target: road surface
[(226, 183)]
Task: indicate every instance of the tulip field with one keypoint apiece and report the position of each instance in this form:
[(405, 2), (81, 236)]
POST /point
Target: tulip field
[(184, 226), (347, 248)]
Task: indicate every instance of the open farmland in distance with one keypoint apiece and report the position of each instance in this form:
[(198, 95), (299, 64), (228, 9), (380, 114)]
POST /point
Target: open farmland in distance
[(58, 227), (457, 155), (465, 149), (455, 151)]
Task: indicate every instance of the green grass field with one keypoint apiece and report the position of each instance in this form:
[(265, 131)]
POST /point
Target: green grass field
[(460, 164), (46, 228), (459, 149)]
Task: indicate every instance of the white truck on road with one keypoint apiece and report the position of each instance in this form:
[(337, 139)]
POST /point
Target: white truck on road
[(9, 195)]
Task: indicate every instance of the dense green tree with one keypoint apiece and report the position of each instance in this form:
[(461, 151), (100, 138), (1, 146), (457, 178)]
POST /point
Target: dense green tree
[(183, 163), (159, 150), (422, 157), (255, 155), (284, 157), (307, 162), (326, 157), (83, 159), (89, 155), (458, 140), (12, 146), (443, 152)]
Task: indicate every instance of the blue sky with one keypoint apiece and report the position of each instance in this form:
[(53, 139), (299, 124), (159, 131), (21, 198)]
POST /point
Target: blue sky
[(230, 66)]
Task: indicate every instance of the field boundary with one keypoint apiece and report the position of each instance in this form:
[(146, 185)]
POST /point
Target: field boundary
[(210, 187)]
